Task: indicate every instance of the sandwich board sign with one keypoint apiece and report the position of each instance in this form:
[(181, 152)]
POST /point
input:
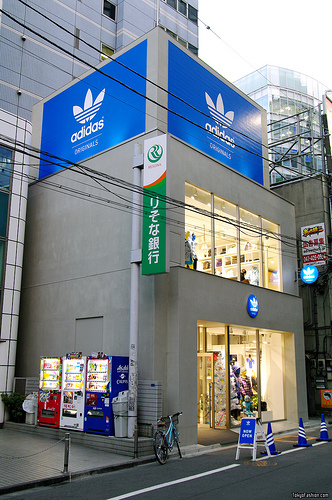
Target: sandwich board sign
[(248, 437)]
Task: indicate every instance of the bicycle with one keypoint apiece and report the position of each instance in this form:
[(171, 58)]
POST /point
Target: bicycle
[(163, 440)]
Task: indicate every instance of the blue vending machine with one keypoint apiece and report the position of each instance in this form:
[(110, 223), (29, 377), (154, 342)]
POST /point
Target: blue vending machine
[(106, 376)]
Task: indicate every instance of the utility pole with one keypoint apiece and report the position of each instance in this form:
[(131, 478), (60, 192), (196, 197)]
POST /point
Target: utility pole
[(136, 259)]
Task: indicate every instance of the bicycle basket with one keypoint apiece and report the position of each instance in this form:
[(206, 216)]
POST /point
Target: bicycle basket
[(166, 421)]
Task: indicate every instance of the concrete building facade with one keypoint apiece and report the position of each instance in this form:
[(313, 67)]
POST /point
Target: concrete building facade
[(200, 320)]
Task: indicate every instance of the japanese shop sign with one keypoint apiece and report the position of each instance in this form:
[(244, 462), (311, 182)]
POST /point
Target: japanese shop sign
[(313, 244), (155, 258)]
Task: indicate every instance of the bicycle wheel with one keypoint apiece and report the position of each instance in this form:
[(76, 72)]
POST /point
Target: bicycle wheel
[(160, 447), (176, 439)]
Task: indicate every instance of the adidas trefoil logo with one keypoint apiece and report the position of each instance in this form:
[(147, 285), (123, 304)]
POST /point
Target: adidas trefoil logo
[(309, 272), (254, 303), (218, 112), (85, 116), (90, 107)]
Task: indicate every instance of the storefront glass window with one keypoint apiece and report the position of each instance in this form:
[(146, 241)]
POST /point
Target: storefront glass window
[(243, 373), (271, 255), (272, 375), (198, 240), (226, 239), (250, 247)]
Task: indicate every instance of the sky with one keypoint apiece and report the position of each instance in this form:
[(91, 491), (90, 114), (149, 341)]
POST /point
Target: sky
[(244, 36)]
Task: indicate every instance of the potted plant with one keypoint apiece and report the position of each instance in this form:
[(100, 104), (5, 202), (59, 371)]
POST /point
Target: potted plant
[(13, 402)]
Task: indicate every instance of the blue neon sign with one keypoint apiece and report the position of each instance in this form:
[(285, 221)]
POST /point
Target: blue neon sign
[(95, 113), (211, 116), (309, 274)]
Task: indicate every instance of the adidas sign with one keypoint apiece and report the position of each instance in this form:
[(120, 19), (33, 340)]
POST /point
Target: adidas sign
[(86, 114)]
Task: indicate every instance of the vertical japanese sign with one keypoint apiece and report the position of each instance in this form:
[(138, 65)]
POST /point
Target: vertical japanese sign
[(155, 255), (314, 244)]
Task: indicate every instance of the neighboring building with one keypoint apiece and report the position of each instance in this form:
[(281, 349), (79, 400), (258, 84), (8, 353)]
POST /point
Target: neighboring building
[(45, 44), (293, 102), (194, 325), (312, 201), (15, 137)]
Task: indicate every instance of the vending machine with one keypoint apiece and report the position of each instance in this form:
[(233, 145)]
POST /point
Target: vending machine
[(73, 388), (106, 377), (49, 394)]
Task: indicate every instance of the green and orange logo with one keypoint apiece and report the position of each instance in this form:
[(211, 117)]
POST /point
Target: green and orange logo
[(155, 153)]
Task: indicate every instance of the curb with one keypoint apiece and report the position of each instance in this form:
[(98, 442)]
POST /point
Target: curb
[(74, 475)]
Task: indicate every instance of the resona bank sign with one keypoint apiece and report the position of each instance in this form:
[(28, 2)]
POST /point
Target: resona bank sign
[(211, 116), (103, 109)]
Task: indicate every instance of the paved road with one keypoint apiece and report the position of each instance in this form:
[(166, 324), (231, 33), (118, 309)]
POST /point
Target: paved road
[(214, 475)]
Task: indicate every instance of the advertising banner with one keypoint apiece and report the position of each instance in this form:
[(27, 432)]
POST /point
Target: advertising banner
[(247, 431), (314, 244), (155, 255), (103, 109), (211, 116)]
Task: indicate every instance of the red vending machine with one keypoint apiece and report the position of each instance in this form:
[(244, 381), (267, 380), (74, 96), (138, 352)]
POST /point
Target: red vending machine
[(73, 389), (49, 395)]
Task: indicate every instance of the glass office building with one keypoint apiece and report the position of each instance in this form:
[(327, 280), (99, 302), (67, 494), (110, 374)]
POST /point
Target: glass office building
[(293, 103)]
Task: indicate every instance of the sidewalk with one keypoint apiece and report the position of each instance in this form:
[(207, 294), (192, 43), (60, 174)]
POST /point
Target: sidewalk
[(27, 459)]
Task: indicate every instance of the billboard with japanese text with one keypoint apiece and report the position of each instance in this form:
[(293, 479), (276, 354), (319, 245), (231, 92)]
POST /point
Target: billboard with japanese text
[(314, 244), (155, 255)]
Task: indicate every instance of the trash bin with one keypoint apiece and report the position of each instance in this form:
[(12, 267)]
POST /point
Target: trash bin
[(120, 413), (30, 405)]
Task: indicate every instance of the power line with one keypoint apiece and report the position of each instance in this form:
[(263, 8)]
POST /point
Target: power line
[(159, 87)]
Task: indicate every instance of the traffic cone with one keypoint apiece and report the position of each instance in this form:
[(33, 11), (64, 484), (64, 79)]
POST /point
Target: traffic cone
[(323, 431), (270, 442), (302, 440)]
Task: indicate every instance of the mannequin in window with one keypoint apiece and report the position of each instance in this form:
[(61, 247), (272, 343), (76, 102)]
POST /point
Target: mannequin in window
[(243, 276), (187, 251)]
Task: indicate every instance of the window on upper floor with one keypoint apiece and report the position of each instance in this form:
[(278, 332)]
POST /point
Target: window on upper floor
[(106, 52), (109, 10), (182, 7), (192, 14)]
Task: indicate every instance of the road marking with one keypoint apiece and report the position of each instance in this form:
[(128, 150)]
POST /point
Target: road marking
[(172, 483)]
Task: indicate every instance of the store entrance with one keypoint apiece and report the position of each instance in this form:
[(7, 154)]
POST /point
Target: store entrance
[(212, 389), (240, 371)]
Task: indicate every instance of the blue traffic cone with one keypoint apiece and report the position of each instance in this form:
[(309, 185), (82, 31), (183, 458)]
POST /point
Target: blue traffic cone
[(270, 442), (302, 440), (323, 431)]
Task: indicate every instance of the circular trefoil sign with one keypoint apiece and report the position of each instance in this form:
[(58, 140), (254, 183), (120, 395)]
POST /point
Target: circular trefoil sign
[(309, 274), (155, 153), (252, 306)]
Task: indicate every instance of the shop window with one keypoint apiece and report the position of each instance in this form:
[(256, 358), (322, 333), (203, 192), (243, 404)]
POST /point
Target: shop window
[(272, 375), (230, 241), (226, 239), (109, 10), (198, 248), (271, 255), (250, 247)]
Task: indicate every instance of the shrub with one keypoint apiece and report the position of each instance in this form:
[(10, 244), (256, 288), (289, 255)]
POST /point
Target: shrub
[(13, 402)]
